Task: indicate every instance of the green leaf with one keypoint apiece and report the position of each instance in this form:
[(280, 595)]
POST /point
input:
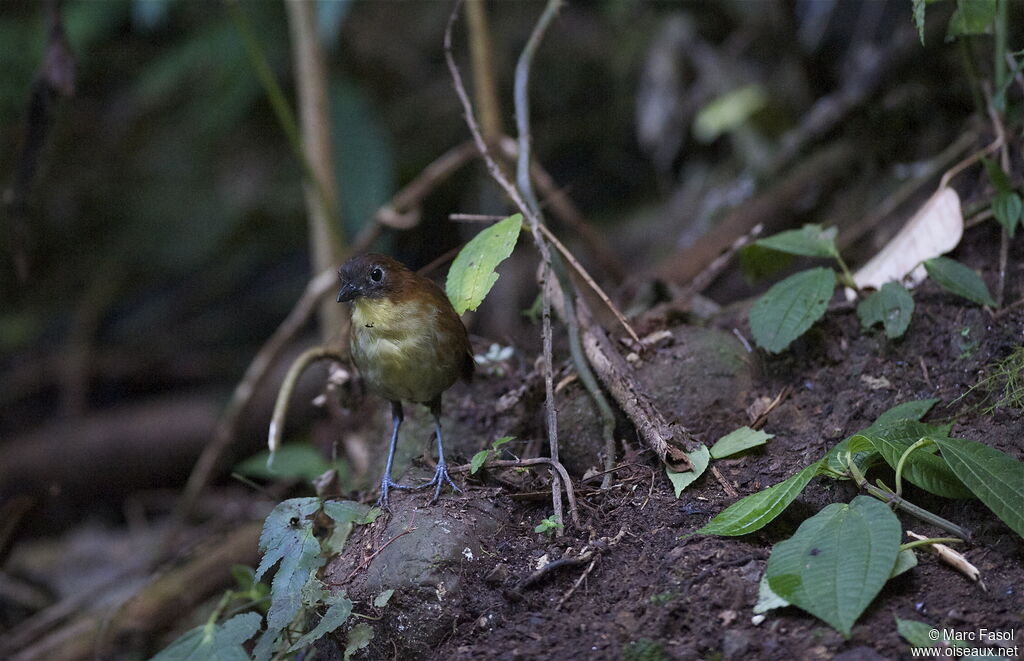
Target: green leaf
[(892, 306), (728, 112), (700, 459), (502, 441), (996, 175), (912, 410), (919, 6), (214, 642), (349, 511), (472, 274), (1008, 209), (865, 454), (922, 634), (788, 309), (918, 634), (738, 440), (956, 278), (358, 638), (332, 619), (921, 468), (291, 461), (757, 510), (995, 478), (363, 153), (383, 598), (288, 536), (971, 17), (838, 560), (477, 462), (809, 241), (905, 561)]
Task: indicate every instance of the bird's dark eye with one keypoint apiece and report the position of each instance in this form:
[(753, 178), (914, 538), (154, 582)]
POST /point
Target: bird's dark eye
[(376, 274)]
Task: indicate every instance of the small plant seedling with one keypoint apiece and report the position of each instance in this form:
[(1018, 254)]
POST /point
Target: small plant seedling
[(548, 526), (480, 458)]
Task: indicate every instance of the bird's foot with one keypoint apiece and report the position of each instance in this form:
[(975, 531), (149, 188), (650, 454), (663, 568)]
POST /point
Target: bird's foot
[(440, 477), (386, 485)]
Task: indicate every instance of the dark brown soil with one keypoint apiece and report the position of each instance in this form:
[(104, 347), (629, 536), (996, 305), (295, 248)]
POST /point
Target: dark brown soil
[(661, 594)]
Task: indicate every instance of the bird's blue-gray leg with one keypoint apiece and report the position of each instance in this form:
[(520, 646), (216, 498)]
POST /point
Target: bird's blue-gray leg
[(441, 474), (386, 482)]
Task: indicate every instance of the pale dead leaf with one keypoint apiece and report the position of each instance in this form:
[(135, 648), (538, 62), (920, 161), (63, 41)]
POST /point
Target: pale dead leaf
[(934, 230)]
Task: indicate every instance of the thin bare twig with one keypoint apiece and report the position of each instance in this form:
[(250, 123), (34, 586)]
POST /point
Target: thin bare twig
[(366, 561), (305, 359), (495, 171)]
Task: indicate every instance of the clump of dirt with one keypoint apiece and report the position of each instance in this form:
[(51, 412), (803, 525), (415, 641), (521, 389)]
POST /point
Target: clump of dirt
[(659, 593)]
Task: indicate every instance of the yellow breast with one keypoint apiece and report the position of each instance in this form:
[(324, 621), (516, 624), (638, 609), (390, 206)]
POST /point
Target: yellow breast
[(401, 349)]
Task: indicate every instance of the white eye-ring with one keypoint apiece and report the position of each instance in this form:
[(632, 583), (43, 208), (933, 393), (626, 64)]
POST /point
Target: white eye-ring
[(377, 274)]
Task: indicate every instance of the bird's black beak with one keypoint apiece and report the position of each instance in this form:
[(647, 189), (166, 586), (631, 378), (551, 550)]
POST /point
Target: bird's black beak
[(348, 292)]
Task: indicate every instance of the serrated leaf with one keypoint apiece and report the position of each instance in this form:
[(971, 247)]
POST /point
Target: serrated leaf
[(1008, 209), (700, 459), (759, 509), (958, 279), (809, 241), (358, 637), (919, 6), (971, 17), (865, 454), (837, 561), (214, 642), (332, 619), (477, 462), (739, 440), (288, 536), (892, 306), (921, 468), (790, 307), (382, 599), (996, 478), (472, 275)]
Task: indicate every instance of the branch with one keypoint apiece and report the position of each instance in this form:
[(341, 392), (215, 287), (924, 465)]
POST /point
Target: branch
[(325, 243), (533, 222)]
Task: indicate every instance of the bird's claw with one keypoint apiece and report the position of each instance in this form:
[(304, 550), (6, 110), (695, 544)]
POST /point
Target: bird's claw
[(386, 485), (440, 477)]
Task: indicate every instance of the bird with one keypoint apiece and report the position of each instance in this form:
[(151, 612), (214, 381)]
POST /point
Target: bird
[(409, 345)]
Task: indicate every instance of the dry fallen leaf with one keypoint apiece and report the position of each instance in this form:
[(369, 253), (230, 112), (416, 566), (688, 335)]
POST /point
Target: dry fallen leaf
[(934, 230)]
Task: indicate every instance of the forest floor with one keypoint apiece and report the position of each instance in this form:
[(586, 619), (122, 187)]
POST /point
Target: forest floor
[(657, 592)]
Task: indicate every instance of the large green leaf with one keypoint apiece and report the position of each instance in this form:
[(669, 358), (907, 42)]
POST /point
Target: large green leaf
[(680, 480), (213, 642), (995, 478), (759, 509), (739, 440), (958, 279), (892, 306), (472, 274), (809, 241), (788, 309), (921, 467), (288, 536), (335, 616), (837, 561)]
